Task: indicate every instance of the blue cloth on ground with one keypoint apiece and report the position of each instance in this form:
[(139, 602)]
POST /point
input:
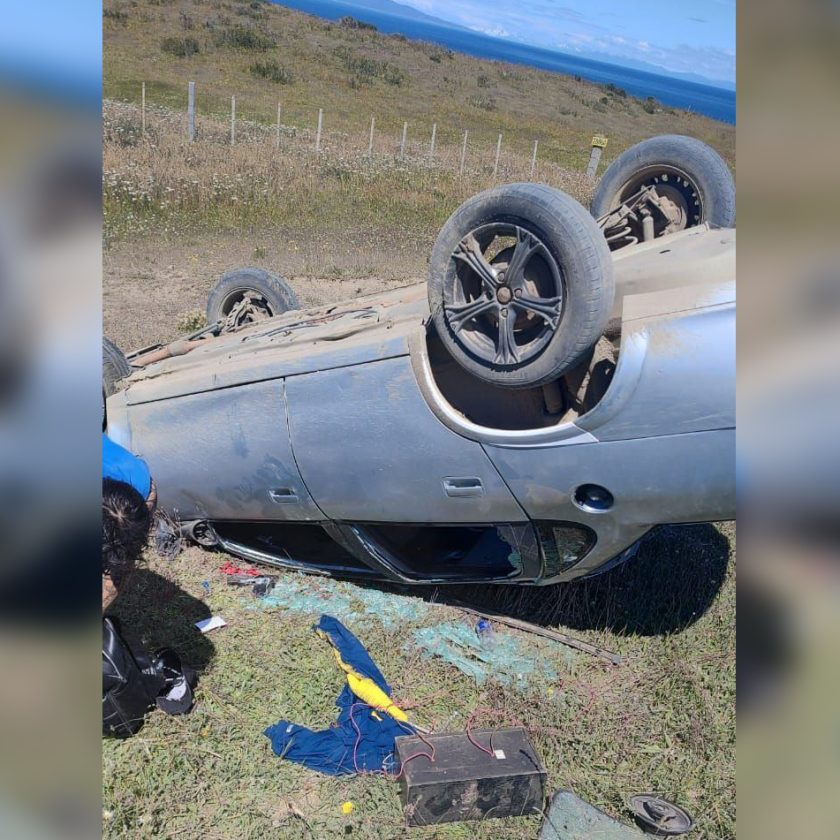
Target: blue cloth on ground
[(332, 750), (118, 463)]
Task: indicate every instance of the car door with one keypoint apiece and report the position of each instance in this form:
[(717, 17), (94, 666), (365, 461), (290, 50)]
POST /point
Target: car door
[(370, 449), (223, 454)]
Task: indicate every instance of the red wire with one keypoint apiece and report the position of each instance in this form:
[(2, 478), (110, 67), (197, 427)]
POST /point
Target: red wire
[(472, 740)]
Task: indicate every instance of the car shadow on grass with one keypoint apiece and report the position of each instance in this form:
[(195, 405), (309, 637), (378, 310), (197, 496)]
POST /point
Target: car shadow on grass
[(159, 613), (670, 583)]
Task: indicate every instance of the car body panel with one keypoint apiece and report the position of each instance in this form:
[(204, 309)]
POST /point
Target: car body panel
[(223, 454), (653, 480), (371, 450)]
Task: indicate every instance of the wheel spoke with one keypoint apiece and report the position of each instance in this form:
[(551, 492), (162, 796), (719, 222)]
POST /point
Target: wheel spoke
[(526, 245), (507, 353), (458, 315), (547, 308), (469, 252)]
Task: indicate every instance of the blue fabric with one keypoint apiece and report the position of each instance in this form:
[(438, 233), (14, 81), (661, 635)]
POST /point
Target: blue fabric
[(332, 750), (120, 465)]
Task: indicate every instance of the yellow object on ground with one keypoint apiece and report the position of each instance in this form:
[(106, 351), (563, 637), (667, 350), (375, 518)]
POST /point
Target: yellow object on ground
[(347, 808), (365, 688)]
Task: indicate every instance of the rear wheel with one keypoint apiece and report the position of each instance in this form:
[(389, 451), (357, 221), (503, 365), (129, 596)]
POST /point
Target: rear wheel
[(520, 284), (247, 295), (663, 185), (114, 366)]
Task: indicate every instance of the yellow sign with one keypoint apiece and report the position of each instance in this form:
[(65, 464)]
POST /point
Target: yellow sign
[(599, 141)]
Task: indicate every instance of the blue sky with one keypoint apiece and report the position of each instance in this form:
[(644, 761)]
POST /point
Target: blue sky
[(679, 36)]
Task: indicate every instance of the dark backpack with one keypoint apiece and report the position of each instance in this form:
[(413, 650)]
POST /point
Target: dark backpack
[(134, 682)]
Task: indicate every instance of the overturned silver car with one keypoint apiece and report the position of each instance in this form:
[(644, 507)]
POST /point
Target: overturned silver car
[(525, 417)]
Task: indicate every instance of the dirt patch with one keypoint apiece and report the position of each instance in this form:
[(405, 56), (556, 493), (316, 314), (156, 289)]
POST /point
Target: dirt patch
[(150, 286)]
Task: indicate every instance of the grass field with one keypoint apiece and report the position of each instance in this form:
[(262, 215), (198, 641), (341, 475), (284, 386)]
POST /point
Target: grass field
[(663, 721), (338, 224)]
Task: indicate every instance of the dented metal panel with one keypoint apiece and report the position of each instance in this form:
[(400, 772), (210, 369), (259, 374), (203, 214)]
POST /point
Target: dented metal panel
[(223, 455), (371, 450)]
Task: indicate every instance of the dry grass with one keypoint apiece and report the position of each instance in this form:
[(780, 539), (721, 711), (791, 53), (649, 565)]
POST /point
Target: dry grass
[(162, 183)]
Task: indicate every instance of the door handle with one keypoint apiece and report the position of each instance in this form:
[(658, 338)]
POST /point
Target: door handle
[(283, 496), (463, 487)]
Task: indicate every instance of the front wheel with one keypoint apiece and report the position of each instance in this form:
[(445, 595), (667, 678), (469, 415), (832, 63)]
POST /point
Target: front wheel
[(520, 284), (247, 295)]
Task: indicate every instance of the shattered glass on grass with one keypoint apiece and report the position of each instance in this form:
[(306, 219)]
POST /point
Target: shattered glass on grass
[(511, 659), (344, 601), (507, 659)]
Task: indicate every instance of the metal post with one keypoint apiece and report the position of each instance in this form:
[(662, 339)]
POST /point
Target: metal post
[(318, 134), (191, 111), (278, 125), (498, 153), (232, 120), (534, 159), (143, 109), (370, 141), (432, 144), (463, 153), (402, 145)]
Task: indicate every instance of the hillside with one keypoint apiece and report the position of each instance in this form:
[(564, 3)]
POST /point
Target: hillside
[(354, 74)]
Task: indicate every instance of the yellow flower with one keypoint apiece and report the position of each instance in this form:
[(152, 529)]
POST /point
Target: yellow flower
[(347, 808)]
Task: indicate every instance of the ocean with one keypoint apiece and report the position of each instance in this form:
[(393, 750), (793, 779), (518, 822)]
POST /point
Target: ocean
[(717, 103)]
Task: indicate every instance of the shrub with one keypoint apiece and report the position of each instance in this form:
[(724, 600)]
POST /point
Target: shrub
[(614, 89), (349, 22), (272, 71), (486, 103), (116, 15), (366, 69), (649, 105), (484, 81), (180, 47), (244, 38)]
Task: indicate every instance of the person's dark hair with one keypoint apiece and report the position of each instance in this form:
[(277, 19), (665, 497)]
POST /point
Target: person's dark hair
[(125, 528)]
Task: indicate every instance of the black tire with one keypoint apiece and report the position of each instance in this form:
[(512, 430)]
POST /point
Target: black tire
[(275, 294), (114, 366), (684, 157), (564, 251)]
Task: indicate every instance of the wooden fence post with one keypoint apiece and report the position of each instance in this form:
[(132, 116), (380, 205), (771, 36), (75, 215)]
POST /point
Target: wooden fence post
[(463, 153), (143, 110), (599, 143), (534, 159), (498, 153), (232, 120), (191, 111), (432, 144), (370, 140), (402, 144), (318, 134)]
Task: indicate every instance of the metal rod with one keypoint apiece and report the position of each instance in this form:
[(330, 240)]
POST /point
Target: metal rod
[(534, 159), (370, 140), (402, 144), (191, 111), (528, 627), (498, 153), (463, 153), (143, 109), (432, 144)]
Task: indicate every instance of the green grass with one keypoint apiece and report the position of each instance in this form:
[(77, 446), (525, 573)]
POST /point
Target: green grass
[(663, 721)]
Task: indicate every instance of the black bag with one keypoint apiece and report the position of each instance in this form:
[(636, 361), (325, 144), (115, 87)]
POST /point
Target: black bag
[(133, 682)]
